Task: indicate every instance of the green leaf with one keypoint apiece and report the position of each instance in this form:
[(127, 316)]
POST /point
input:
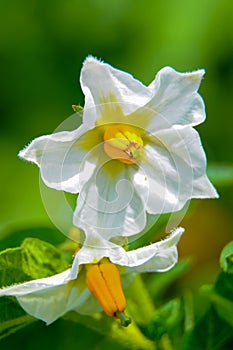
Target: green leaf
[(166, 320), (188, 304), (139, 303), (41, 259), (158, 283), (11, 267), (34, 259), (224, 285), (12, 317), (209, 333), (226, 258), (224, 308)]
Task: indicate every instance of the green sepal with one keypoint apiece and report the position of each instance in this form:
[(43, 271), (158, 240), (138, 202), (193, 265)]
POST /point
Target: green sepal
[(77, 108)]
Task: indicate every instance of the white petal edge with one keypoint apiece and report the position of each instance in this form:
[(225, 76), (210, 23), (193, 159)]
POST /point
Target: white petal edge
[(50, 298), (100, 82), (175, 99), (157, 255), (174, 170), (60, 159), (37, 285), (34, 151), (46, 305), (160, 255), (50, 304)]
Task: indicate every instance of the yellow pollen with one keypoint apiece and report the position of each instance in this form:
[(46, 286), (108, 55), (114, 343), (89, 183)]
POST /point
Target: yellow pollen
[(103, 280), (123, 142)]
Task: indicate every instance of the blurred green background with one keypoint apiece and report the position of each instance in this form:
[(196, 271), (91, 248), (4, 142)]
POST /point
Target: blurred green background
[(42, 47)]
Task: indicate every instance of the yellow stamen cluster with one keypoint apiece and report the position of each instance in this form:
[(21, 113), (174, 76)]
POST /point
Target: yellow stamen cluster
[(123, 142), (103, 280)]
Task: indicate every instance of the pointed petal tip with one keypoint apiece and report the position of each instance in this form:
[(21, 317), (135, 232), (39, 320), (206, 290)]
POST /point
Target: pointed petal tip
[(198, 74), (23, 154), (177, 232), (173, 236), (91, 60), (195, 75), (214, 194), (201, 71)]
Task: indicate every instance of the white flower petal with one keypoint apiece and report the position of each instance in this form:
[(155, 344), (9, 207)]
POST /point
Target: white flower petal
[(175, 99), (34, 151), (159, 177), (45, 298), (46, 305), (203, 188), (50, 298), (174, 171), (109, 203), (60, 157), (50, 304), (37, 285), (184, 145), (160, 262), (94, 249), (88, 304), (159, 256), (101, 83)]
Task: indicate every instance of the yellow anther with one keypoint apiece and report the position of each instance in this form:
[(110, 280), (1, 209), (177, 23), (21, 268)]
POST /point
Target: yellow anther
[(103, 280), (124, 143)]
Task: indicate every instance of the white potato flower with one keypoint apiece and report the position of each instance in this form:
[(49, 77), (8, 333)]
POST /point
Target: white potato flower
[(95, 275), (136, 151)]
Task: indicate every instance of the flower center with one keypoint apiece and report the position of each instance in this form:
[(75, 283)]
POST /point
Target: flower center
[(103, 280), (124, 143)]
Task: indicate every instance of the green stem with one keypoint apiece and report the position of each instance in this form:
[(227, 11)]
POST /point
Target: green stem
[(12, 326), (130, 337), (165, 342), (139, 302), (188, 311), (125, 320)]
